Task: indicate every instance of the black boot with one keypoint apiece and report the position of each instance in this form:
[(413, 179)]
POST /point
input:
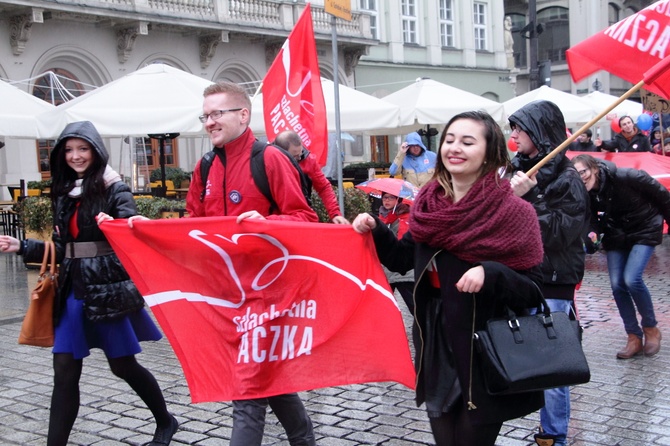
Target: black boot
[(163, 436)]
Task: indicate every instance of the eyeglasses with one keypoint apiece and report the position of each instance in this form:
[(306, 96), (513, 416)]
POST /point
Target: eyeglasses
[(216, 114), (584, 172)]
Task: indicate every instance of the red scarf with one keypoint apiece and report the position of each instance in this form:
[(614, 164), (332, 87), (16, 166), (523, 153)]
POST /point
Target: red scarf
[(489, 223)]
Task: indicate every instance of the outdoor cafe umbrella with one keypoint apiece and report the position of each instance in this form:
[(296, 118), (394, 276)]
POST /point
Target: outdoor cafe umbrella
[(19, 111), (394, 186), (574, 108)]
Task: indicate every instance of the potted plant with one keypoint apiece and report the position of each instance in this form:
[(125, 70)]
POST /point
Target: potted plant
[(175, 174), (355, 202), (36, 217), (158, 207)]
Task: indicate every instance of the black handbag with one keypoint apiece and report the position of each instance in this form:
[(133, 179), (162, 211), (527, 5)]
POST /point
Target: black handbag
[(528, 353)]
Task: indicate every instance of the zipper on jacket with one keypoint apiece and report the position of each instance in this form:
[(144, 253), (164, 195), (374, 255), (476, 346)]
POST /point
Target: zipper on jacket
[(420, 352)]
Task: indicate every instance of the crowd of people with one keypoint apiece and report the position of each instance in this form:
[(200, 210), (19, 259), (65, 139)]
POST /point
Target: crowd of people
[(482, 235)]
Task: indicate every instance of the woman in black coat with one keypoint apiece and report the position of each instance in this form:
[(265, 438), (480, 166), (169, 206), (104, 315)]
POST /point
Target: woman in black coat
[(96, 305), (628, 207), (474, 247)]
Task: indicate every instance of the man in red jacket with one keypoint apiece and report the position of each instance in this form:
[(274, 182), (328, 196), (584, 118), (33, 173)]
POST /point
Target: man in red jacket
[(291, 142), (231, 190)]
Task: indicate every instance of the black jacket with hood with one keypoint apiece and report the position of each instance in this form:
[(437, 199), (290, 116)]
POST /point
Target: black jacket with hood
[(101, 282), (628, 207), (559, 198)]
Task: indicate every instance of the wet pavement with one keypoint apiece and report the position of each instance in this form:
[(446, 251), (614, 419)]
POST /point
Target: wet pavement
[(627, 402)]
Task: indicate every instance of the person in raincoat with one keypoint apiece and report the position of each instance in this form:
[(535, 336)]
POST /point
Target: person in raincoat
[(414, 162)]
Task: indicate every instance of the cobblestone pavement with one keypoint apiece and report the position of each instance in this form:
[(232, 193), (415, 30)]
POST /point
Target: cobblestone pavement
[(626, 403)]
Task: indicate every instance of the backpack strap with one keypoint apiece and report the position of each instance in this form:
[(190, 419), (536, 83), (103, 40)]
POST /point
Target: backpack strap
[(206, 164)]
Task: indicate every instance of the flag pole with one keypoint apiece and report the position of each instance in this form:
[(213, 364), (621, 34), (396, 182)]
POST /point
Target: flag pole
[(649, 77), (258, 90)]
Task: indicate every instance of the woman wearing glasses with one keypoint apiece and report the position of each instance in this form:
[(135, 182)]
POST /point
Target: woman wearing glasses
[(628, 208)]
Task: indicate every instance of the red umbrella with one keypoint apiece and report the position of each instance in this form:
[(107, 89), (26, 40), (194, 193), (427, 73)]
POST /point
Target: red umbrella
[(627, 49), (394, 186)]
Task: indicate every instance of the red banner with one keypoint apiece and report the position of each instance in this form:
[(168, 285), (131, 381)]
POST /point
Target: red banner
[(263, 307), (292, 93), (627, 49)]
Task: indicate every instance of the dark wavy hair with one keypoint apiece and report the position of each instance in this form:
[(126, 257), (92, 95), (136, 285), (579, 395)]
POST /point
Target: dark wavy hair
[(63, 179), (496, 156)]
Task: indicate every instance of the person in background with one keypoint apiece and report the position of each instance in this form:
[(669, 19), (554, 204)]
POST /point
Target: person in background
[(662, 149), (414, 162), (629, 140), (561, 203), (291, 142), (628, 208), (96, 305), (395, 214), (226, 115), (583, 143), (655, 137), (474, 247)]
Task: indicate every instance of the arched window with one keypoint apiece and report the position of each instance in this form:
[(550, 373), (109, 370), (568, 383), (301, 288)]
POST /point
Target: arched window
[(520, 48), (55, 87), (613, 14), (555, 38)]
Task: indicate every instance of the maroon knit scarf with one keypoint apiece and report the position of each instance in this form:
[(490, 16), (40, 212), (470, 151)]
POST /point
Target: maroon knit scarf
[(489, 224)]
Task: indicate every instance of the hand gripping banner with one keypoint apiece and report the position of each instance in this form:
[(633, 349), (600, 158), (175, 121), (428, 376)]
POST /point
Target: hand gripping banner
[(262, 308)]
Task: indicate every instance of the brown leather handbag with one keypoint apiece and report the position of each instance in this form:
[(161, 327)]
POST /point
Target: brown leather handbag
[(38, 328)]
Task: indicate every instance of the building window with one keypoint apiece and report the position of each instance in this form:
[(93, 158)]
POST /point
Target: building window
[(370, 6), (51, 87), (409, 21), (555, 39), (447, 23), (480, 22), (613, 12), (520, 48)]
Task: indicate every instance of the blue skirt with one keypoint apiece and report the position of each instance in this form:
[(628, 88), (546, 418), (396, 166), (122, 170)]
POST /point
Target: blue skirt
[(120, 337)]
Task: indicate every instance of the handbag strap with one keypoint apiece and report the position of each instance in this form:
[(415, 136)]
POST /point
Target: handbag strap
[(53, 258), (45, 259)]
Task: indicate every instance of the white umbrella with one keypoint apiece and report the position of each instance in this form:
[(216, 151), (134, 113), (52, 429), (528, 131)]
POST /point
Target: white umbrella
[(359, 112), (19, 109), (429, 102), (155, 99), (574, 108), (601, 101)]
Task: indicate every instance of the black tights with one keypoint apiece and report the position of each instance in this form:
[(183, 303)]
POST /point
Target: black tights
[(455, 429), (65, 396)]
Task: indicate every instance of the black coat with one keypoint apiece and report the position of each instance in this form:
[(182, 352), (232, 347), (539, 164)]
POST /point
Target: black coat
[(560, 199), (101, 282), (628, 207), (443, 329), (639, 143)]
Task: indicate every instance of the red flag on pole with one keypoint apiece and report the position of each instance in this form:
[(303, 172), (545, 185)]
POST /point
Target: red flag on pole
[(628, 49), (263, 308), (292, 94)]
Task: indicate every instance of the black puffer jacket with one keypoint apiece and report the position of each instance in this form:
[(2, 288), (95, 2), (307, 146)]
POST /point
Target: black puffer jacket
[(560, 198), (101, 282), (628, 207), (639, 143)]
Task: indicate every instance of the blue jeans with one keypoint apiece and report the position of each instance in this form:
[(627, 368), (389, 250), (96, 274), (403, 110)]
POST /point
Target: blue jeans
[(249, 420), (625, 269), (555, 415)]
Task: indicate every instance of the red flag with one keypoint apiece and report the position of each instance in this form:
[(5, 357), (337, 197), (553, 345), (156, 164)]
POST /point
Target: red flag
[(628, 49), (263, 307), (292, 94)]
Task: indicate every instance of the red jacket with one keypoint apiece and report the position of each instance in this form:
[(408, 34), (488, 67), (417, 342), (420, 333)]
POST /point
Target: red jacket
[(310, 166), (231, 190)]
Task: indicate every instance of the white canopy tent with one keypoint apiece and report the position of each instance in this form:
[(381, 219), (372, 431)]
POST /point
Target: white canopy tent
[(359, 112), (601, 101), (574, 108), (19, 111), (155, 99), (428, 102)]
